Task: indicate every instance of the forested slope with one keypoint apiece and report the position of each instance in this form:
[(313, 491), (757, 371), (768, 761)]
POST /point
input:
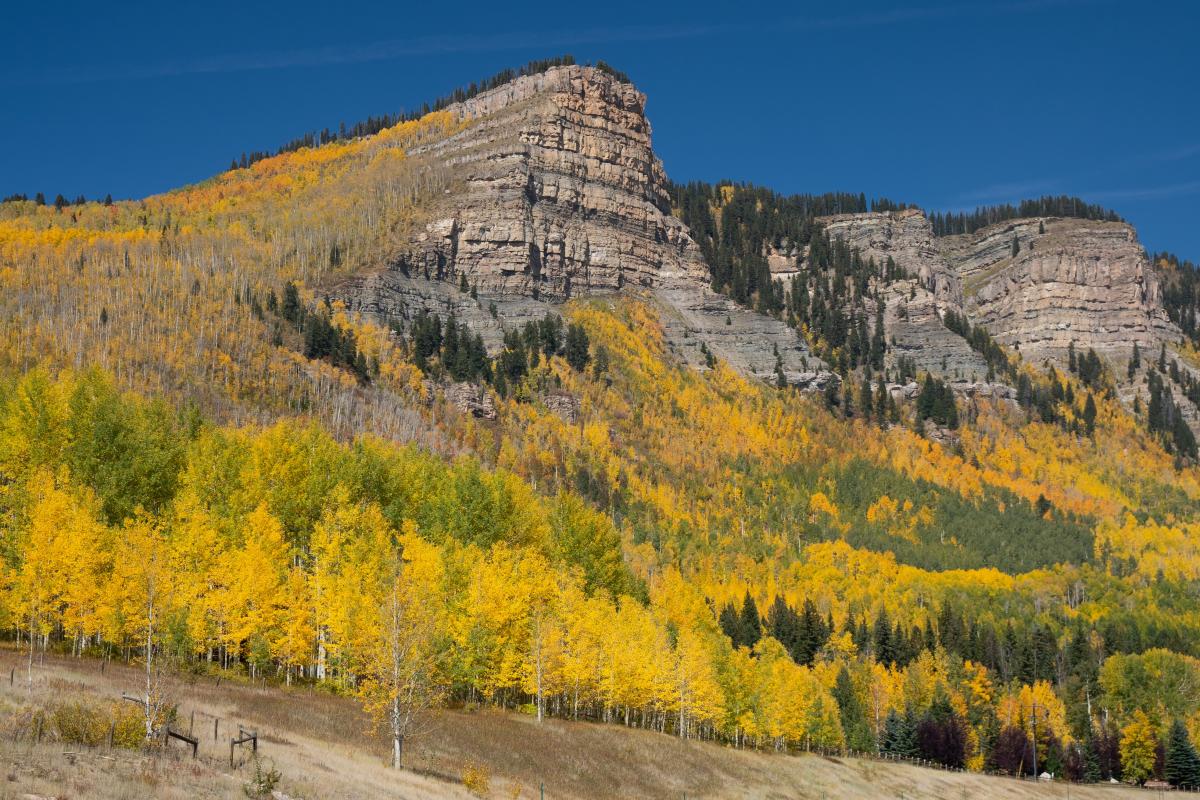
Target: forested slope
[(200, 452)]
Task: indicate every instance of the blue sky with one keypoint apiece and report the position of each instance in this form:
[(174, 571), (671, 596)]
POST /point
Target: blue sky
[(945, 104)]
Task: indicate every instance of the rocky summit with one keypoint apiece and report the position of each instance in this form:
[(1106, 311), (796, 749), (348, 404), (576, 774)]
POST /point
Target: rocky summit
[(555, 192)]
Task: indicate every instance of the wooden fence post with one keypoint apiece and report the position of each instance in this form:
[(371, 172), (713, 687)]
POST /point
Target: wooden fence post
[(170, 734)]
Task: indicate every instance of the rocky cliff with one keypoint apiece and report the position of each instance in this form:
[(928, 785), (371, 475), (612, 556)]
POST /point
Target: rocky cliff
[(1071, 280), (914, 307), (555, 192), (906, 237), (561, 192)]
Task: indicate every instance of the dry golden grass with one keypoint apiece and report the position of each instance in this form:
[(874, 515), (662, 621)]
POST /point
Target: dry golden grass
[(323, 748)]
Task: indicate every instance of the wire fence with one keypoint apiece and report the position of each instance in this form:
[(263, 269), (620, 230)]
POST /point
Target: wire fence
[(931, 764)]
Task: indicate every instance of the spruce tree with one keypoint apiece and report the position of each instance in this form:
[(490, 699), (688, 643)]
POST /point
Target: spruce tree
[(749, 622), (731, 624), (1089, 414), (854, 719), (577, 345), (1181, 766)]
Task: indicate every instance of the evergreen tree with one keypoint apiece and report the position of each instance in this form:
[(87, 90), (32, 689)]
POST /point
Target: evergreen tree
[(576, 348), (885, 645), (854, 719), (1091, 761), (730, 624), (1181, 763), (749, 623), (1089, 414)]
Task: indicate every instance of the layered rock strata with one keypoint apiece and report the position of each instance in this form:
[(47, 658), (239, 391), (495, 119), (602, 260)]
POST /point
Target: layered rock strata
[(561, 193), (1070, 280), (913, 307), (555, 193)]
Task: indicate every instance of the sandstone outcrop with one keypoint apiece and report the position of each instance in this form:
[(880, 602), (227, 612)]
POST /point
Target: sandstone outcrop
[(904, 236), (914, 307), (555, 193), (561, 192), (1072, 280)]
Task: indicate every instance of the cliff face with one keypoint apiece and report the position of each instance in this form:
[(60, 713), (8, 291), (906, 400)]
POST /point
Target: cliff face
[(907, 238), (560, 192), (914, 307), (555, 192), (1071, 280)]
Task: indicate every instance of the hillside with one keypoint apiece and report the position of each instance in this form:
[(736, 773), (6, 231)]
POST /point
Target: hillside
[(479, 411), (322, 748)]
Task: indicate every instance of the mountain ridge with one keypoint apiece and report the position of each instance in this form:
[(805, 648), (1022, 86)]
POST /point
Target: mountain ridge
[(472, 361)]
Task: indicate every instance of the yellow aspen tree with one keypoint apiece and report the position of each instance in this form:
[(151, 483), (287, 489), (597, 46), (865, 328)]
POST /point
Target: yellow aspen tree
[(401, 676), (542, 666), (35, 584), (298, 628), (197, 552), (697, 696), (742, 690), (349, 546), (632, 672), (256, 584), (141, 599), (1138, 742)]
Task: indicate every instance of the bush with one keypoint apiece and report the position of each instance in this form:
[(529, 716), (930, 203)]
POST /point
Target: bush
[(88, 724), (262, 785), (78, 723), (129, 726), (476, 778)]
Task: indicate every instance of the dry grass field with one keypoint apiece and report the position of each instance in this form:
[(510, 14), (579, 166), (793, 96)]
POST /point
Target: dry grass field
[(322, 747)]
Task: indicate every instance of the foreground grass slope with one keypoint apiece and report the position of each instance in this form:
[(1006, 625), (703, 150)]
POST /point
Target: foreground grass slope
[(321, 746)]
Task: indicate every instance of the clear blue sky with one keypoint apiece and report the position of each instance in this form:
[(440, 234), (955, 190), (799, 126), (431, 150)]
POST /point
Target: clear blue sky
[(945, 104)]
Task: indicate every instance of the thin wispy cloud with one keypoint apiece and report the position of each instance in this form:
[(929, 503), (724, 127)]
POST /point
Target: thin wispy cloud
[(1015, 191), (1167, 156), (392, 49), (1147, 192)]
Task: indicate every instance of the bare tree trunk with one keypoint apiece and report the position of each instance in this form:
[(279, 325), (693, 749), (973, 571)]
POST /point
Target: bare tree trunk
[(537, 643), (149, 709), (32, 621)]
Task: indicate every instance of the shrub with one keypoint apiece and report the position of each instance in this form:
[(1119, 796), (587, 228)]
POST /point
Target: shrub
[(79, 723), (261, 785), (129, 726), (476, 778)]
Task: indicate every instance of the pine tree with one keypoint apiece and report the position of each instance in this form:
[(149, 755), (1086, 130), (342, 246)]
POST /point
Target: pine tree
[(577, 344), (731, 624), (1089, 414), (749, 623), (854, 719), (1181, 766)]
